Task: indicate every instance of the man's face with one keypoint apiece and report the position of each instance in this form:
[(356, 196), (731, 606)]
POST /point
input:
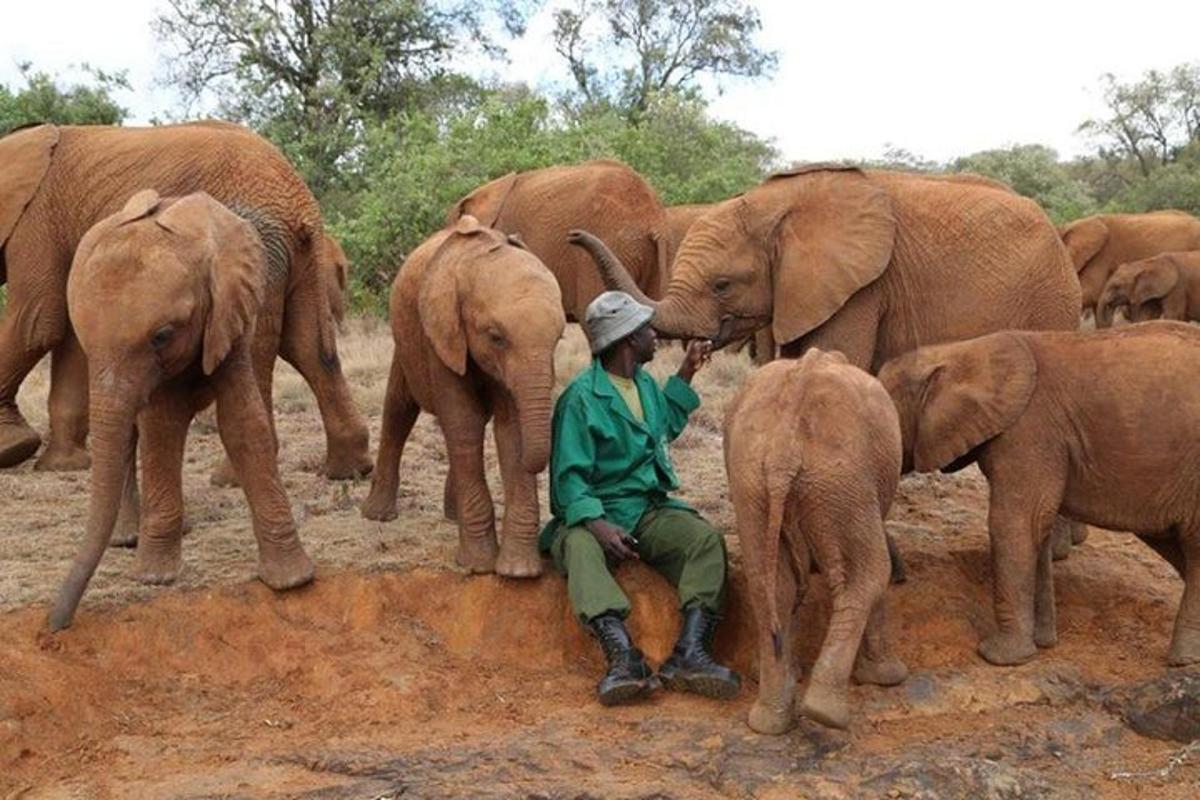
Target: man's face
[(643, 342)]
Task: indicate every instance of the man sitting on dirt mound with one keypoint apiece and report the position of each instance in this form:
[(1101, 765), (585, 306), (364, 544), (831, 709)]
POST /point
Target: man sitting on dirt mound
[(609, 479)]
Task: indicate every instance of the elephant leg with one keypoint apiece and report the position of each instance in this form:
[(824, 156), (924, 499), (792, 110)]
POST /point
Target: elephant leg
[(772, 710), (246, 434), (18, 355), (463, 420), (310, 345), (449, 503), (1185, 639), (267, 334), (1062, 537), (400, 412), (1020, 517), (875, 663), (857, 580), (519, 557), (66, 448), (164, 428), (1045, 616)]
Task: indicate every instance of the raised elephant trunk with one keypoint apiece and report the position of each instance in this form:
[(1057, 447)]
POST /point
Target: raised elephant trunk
[(112, 426), (669, 321), (533, 397)]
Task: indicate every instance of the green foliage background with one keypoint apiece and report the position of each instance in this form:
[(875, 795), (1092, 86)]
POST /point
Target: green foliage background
[(389, 135)]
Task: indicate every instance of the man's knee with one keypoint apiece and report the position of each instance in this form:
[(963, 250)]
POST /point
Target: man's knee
[(580, 546)]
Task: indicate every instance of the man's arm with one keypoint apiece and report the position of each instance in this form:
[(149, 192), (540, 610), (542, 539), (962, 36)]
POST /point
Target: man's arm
[(574, 457), (681, 399)]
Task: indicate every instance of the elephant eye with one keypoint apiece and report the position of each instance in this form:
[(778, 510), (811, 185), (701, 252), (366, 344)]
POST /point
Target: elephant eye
[(162, 337), (721, 285), (497, 338)]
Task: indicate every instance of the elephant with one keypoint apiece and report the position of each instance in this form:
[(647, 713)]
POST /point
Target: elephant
[(1165, 286), (69, 404), (164, 297), (869, 263), (1087, 424), (812, 449), (609, 197), (58, 181), (476, 318), (1100, 243)]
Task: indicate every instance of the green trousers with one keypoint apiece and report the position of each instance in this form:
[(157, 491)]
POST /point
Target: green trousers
[(678, 544)]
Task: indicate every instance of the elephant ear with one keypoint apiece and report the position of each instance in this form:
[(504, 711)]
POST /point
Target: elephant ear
[(1083, 239), (230, 250), (1154, 282), (973, 394), (834, 238), (486, 202), (438, 300), (24, 158)]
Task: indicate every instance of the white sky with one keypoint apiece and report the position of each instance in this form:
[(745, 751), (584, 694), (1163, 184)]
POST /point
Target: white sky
[(937, 78)]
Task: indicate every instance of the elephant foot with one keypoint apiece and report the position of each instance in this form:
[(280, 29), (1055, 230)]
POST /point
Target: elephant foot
[(1185, 648), (160, 565), (888, 671), (1006, 650), (521, 560), (380, 505), (477, 555), (827, 706), (18, 442), (770, 720), (224, 475), (68, 457), (125, 532), (1079, 532), (1045, 634), (347, 466), (286, 568)]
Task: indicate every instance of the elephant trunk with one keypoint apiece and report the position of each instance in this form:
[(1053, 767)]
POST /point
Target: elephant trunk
[(669, 321), (532, 393), (112, 418)]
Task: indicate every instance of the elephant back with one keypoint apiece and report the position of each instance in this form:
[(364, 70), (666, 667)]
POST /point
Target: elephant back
[(24, 159), (607, 198)]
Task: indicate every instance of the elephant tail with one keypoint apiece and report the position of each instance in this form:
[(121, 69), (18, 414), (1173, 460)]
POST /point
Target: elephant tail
[(778, 486)]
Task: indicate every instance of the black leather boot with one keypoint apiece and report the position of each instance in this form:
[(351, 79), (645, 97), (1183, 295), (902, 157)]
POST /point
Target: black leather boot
[(629, 676), (690, 668)]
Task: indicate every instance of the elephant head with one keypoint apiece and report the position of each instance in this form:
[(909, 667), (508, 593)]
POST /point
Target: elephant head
[(338, 276), (485, 203), (485, 297), (788, 253), (1150, 288), (953, 398), (160, 289)]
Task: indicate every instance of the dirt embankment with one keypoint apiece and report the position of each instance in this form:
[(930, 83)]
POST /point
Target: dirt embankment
[(395, 675)]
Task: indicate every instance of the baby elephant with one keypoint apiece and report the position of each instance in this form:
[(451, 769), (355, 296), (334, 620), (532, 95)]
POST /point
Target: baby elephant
[(812, 448), (475, 318), (163, 296), (1165, 286), (1100, 427)]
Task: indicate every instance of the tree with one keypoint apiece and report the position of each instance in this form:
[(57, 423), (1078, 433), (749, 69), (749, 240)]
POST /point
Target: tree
[(624, 52), (1150, 120), (43, 100), (311, 73), (1034, 171)]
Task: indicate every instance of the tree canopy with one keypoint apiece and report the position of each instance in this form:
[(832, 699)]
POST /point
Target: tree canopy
[(43, 99)]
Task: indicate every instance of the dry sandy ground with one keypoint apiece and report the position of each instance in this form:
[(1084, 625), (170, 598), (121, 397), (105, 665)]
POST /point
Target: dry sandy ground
[(395, 675)]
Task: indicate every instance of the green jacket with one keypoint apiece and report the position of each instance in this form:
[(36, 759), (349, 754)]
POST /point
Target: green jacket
[(603, 461)]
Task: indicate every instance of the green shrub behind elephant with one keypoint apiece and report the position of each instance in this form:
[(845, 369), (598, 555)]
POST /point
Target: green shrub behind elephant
[(56, 182)]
